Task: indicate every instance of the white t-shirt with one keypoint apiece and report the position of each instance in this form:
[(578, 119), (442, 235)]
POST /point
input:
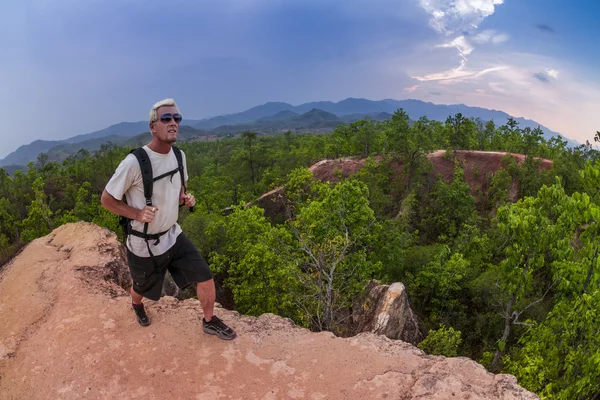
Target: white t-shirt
[(127, 180)]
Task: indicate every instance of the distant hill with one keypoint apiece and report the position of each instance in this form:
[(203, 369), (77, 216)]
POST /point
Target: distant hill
[(286, 120), (29, 152), (316, 118), (280, 116), (63, 150), (271, 117), (351, 106), (10, 169), (261, 111), (125, 129), (251, 115), (115, 133)]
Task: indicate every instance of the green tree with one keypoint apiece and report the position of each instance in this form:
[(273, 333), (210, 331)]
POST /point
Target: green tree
[(365, 137), (559, 356), (340, 142), (461, 132), (39, 216), (379, 176), (332, 233), (533, 139), (485, 134), (511, 136), (538, 234), (42, 159), (249, 157), (250, 258), (409, 144), (444, 341), (438, 285), (85, 209), (443, 210)]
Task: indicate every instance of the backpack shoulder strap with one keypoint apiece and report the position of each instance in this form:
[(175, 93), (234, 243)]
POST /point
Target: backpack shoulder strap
[(146, 167), (179, 157)]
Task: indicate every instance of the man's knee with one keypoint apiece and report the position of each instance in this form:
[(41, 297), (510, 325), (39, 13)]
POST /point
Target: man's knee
[(208, 283)]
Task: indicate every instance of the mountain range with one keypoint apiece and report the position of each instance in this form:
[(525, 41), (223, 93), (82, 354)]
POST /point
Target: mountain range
[(268, 118)]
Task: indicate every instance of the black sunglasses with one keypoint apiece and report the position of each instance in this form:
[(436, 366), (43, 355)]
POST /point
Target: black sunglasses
[(166, 118)]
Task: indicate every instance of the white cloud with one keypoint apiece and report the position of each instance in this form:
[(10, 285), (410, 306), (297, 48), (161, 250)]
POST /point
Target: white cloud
[(461, 44), (552, 73), (458, 73), (450, 16), (500, 38), (464, 48), (411, 89), (490, 36), (484, 36), (497, 87)]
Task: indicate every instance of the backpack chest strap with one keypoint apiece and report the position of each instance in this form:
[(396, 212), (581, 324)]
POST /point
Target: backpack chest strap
[(147, 236)]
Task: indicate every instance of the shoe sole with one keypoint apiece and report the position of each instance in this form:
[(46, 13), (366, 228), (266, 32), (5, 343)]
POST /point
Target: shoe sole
[(219, 335)]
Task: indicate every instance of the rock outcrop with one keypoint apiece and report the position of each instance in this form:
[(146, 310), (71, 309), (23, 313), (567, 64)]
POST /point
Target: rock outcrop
[(67, 331), (479, 167), (384, 310)]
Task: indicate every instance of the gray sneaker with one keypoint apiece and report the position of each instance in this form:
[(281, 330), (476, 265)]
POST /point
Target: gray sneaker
[(217, 327)]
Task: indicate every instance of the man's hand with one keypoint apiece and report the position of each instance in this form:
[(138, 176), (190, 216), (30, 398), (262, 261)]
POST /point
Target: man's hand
[(187, 200), (146, 214)]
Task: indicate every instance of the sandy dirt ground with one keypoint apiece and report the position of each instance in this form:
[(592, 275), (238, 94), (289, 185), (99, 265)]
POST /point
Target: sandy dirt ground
[(67, 332)]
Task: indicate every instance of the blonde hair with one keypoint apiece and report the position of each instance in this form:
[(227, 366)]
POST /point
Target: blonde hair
[(166, 102)]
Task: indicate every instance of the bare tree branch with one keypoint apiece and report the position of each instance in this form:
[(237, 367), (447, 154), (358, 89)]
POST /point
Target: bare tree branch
[(517, 314)]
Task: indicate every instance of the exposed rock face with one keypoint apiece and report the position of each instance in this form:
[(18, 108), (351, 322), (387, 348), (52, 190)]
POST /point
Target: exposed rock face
[(67, 331), (478, 166), (384, 310)]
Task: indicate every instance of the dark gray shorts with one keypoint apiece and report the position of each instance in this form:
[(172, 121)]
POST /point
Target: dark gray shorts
[(183, 261)]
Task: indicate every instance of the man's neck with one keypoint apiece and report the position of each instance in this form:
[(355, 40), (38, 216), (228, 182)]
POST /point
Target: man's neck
[(159, 147)]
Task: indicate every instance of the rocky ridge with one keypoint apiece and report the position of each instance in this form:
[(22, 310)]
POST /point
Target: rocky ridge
[(68, 332)]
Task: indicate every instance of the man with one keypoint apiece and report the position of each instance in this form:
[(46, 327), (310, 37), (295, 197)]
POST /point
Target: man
[(169, 248)]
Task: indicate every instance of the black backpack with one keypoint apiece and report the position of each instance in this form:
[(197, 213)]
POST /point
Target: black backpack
[(148, 181)]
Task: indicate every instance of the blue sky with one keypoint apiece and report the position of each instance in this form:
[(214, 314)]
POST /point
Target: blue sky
[(74, 66)]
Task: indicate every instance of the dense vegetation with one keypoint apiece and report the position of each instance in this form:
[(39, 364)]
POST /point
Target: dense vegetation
[(513, 285)]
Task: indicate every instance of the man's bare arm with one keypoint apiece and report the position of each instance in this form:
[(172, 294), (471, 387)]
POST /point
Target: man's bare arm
[(120, 208), (187, 200)]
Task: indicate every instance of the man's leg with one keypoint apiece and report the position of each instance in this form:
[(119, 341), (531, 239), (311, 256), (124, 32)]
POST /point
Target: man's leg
[(212, 324), (206, 294), (135, 298), (188, 267), (138, 307), (142, 277)]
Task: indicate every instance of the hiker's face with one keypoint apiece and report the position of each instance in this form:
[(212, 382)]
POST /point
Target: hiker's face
[(163, 130)]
